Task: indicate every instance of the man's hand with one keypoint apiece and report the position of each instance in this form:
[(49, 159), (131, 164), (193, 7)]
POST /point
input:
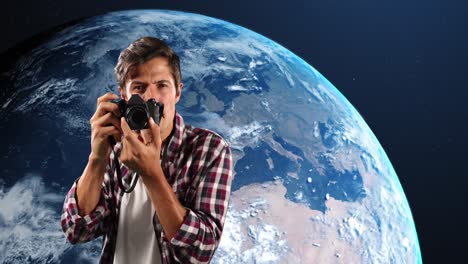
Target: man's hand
[(141, 153), (104, 123)]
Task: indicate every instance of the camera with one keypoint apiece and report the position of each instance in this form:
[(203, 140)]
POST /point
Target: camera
[(138, 112)]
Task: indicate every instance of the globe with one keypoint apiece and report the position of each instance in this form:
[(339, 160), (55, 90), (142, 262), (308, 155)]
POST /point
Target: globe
[(312, 184)]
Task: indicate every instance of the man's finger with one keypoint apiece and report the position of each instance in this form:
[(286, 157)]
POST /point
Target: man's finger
[(106, 97), (147, 135), (128, 133), (104, 107), (108, 120), (155, 131)]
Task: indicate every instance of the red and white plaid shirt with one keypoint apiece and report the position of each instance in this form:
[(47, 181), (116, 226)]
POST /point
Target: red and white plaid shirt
[(197, 164)]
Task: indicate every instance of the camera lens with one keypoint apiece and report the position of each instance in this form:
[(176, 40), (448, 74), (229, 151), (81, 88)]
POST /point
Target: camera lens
[(137, 118)]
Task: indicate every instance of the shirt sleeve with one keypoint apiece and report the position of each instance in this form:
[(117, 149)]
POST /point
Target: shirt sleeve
[(79, 229), (199, 235)]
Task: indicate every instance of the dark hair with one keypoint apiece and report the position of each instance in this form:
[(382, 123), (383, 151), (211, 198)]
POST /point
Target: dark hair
[(143, 50)]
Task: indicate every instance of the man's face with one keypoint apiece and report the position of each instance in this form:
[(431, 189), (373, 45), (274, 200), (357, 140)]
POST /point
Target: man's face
[(153, 79)]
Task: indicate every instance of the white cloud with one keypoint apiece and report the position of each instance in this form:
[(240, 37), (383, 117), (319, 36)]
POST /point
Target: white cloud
[(261, 243), (30, 225), (238, 137)]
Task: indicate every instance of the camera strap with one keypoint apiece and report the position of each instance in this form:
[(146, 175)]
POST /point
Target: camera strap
[(119, 172), (119, 177)]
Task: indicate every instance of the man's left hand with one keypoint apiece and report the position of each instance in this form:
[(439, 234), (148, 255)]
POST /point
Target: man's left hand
[(141, 153)]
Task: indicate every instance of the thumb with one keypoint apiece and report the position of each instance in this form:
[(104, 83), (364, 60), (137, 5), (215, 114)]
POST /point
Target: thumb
[(155, 131), (147, 136)]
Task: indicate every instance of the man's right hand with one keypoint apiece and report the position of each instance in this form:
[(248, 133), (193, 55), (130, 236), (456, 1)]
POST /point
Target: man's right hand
[(104, 123)]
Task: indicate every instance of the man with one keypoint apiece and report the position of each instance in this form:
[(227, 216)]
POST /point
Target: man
[(177, 210)]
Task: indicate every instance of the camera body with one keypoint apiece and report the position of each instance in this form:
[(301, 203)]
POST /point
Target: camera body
[(138, 112)]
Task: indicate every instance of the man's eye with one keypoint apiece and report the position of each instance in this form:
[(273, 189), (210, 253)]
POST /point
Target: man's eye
[(138, 88)]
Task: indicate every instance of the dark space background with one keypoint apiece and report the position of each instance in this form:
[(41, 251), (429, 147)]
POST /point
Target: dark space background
[(401, 63)]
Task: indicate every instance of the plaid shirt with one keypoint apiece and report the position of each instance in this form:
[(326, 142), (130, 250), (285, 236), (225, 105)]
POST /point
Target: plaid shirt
[(197, 164)]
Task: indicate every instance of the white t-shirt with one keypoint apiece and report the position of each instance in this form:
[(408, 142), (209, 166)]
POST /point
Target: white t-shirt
[(136, 239)]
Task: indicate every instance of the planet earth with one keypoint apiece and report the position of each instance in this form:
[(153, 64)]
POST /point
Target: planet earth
[(312, 183)]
